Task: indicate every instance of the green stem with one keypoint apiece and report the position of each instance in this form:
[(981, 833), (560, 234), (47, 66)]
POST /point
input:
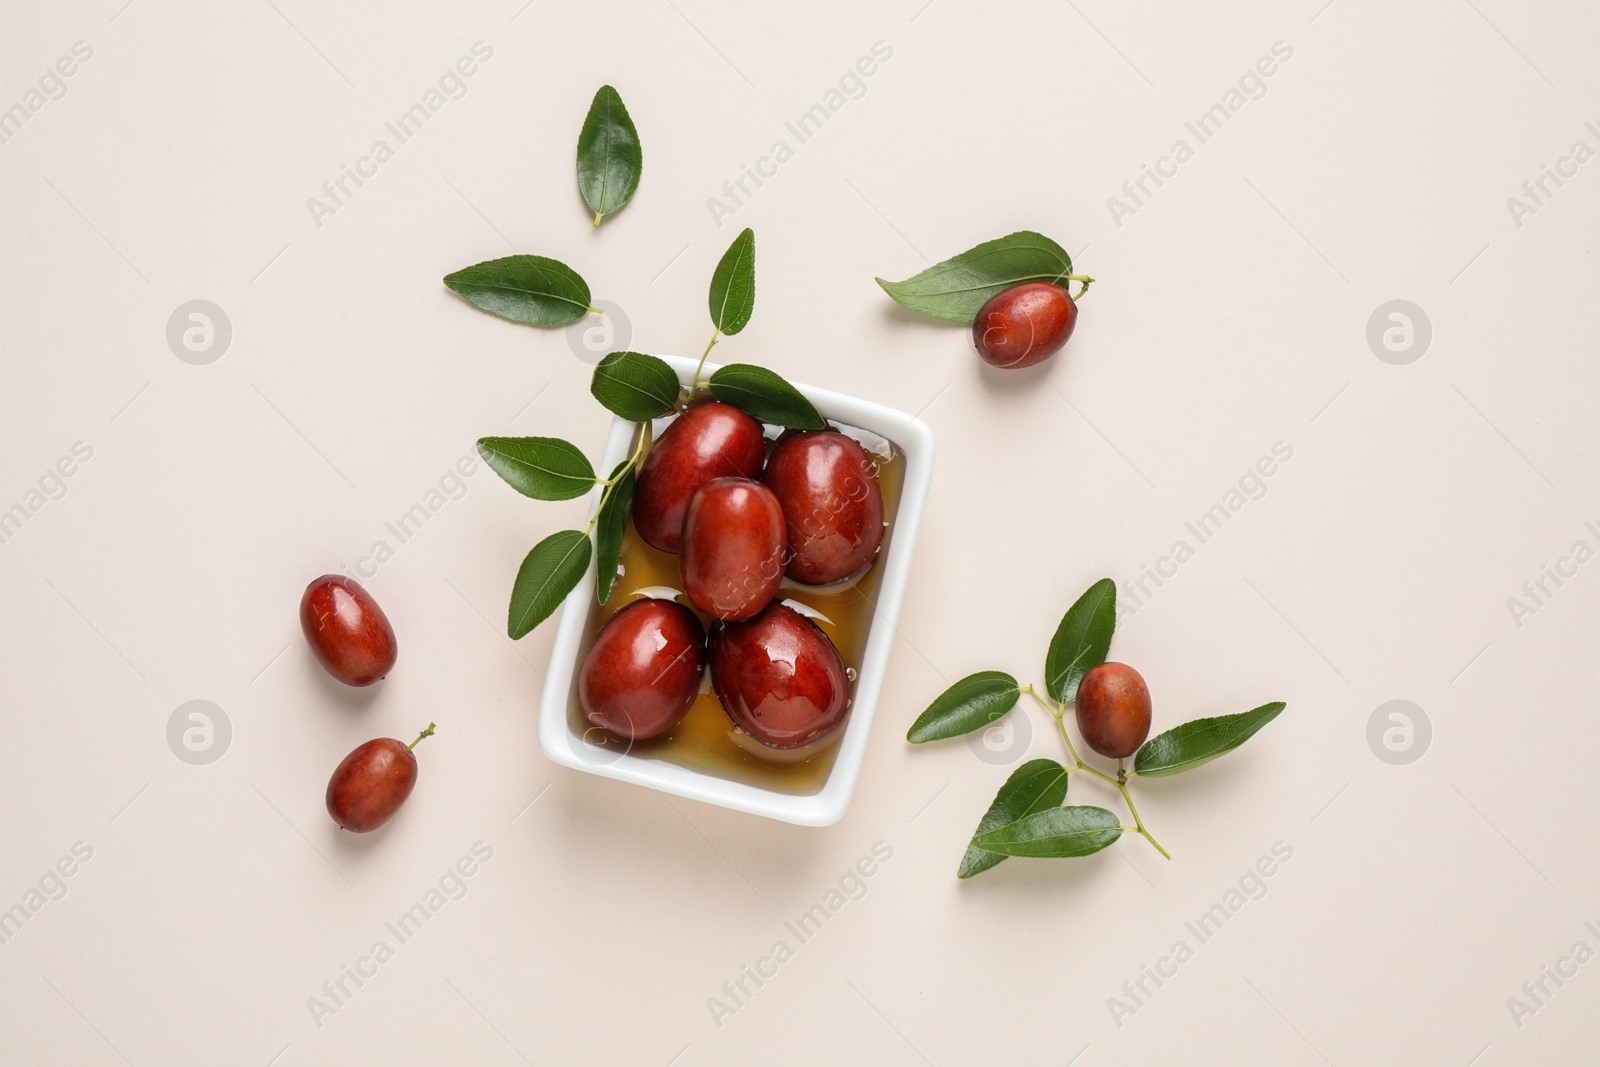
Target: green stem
[(426, 733), (1083, 280), (695, 383), (596, 311), (597, 215), (1056, 712), (1139, 823), (611, 483)]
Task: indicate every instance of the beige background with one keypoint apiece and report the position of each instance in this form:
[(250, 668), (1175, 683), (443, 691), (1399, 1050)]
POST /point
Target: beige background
[(1231, 314)]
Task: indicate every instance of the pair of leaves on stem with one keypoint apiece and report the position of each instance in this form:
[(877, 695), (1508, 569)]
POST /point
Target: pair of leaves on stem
[(640, 387), (957, 289), (548, 468), (1081, 641), (554, 566), (1027, 819)]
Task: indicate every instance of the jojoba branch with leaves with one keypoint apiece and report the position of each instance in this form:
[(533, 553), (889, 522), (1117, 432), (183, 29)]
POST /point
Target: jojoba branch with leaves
[(1030, 816)]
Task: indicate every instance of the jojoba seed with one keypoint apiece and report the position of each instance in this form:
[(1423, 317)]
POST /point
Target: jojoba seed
[(644, 670), (710, 440), (1113, 710), (1024, 325), (733, 548), (371, 783), (779, 677), (347, 631), (832, 505)]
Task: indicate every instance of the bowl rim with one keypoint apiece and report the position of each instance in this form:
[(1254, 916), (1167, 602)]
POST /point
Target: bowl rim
[(827, 806)]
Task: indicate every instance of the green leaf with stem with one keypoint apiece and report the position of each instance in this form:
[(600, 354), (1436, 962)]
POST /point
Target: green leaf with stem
[(1037, 785), (1082, 640), (549, 573), (609, 157), (957, 289), (733, 285), (534, 290), (545, 468), (971, 704), (1054, 833), (1200, 741), (765, 395), (733, 294), (635, 386)]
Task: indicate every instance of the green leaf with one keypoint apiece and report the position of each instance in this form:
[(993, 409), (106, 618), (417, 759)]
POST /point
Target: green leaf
[(545, 468), (529, 289), (1038, 785), (1054, 833), (956, 289), (1082, 640), (1201, 741), (765, 395), (733, 285), (609, 528), (546, 576), (609, 157), (971, 704), (636, 386)]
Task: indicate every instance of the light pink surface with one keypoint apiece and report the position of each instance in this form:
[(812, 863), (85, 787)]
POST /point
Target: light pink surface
[(1230, 315)]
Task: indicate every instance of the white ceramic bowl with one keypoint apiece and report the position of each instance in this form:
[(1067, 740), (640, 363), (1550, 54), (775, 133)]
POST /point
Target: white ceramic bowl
[(561, 743)]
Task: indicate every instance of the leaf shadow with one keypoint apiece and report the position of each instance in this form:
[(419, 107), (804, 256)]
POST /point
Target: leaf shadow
[(1208, 784), (896, 315), (1046, 879)]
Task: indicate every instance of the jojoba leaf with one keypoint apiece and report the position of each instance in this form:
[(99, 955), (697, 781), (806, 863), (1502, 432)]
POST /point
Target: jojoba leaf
[(1201, 741), (545, 468), (609, 157), (550, 571), (765, 395), (1082, 640), (1054, 833), (733, 285), (957, 289), (530, 289), (635, 386), (971, 704)]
